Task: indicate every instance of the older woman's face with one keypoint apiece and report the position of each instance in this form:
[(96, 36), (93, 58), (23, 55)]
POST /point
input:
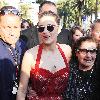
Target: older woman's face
[(48, 29), (87, 54)]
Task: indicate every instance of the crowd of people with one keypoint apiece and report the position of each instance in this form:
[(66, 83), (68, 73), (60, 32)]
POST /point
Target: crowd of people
[(47, 62)]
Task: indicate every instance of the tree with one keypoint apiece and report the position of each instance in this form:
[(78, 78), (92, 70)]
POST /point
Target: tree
[(74, 10), (24, 7), (3, 3)]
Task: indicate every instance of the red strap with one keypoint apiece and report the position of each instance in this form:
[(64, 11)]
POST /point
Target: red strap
[(63, 55), (38, 57)]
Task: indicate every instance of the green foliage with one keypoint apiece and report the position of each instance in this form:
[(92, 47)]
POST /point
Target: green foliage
[(24, 10), (3, 3), (72, 10)]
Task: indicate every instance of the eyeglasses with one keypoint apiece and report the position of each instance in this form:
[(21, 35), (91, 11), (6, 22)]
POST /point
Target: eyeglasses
[(9, 11), (85, 51), (50, 28)]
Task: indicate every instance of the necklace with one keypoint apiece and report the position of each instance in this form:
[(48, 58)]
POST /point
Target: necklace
[(16, 74), (54, 66)]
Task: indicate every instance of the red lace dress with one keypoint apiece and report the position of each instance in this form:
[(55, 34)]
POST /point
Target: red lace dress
[(48, 85)]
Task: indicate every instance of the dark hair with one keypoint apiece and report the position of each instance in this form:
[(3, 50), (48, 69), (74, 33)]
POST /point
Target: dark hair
[(93, 24), (46, 2), (77, 45), (25, 21), (50, 13), (83, 39), (74, 28), (9, 10)]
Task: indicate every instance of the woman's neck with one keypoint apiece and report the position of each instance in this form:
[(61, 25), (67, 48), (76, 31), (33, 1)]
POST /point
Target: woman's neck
[(49, 47)]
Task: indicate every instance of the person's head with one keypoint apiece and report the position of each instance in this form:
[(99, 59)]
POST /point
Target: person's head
[(10, 24), (25, 24), (48, 26), (95, 30), (76, 32), (47, 6), (86, 48)]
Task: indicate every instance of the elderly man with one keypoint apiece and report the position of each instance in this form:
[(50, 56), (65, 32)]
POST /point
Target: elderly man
[(11, 51)]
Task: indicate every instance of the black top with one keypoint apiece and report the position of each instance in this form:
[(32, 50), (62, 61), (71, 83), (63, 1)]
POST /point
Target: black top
[(30, 36), (8, 67), (81, 85)]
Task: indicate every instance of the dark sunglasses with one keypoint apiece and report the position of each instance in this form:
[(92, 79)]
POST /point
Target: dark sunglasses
[(9, 11), (41, 28), (85, 51)]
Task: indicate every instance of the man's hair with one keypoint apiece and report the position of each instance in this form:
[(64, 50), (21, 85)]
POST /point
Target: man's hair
[(93, 24), (50, 13), (46, 2)]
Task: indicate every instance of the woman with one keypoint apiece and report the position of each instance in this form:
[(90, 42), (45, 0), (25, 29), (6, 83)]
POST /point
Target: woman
[(81, 85), (76, 32), (46, 64)]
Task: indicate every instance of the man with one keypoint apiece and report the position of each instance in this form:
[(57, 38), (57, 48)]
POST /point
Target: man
[(31, 34), (11, 51)]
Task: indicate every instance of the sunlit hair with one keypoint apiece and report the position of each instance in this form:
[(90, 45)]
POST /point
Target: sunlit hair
[(50, 13), (93, 24), (83, 39), (46, 2)]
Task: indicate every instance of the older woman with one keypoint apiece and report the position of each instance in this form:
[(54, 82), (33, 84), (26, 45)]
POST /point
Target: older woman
[(81, 85), (46, 64)]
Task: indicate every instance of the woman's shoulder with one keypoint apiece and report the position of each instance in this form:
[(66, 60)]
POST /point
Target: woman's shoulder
[(64, 46), (32, 52), (67, 50)]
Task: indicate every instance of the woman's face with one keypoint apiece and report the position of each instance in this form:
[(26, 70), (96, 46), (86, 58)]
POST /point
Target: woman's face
[(77, 35), (48, 29), (96, 32), (87, 54)]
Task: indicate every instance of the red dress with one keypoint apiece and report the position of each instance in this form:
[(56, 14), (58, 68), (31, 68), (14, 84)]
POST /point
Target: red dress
[(48, 85)]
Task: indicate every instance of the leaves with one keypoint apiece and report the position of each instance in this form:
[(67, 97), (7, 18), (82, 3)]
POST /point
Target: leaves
[(73, 10)]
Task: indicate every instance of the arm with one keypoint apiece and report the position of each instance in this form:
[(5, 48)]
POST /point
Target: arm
[(24, 78)]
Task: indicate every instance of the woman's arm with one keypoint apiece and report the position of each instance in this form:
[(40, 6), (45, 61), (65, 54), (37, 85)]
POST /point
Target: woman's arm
[(25, 75)]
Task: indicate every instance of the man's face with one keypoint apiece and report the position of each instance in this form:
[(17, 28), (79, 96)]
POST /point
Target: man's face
[(48, 7), (10, 28)]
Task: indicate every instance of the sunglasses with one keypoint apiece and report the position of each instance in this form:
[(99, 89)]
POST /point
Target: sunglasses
[(41, 28), (9, 11), (85, 51)]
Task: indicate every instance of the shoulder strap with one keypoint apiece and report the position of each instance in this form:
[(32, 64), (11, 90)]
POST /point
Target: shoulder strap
[(38, 56)]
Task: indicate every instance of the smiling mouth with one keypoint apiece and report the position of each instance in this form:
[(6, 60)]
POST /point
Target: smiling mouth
[(88, 60)]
